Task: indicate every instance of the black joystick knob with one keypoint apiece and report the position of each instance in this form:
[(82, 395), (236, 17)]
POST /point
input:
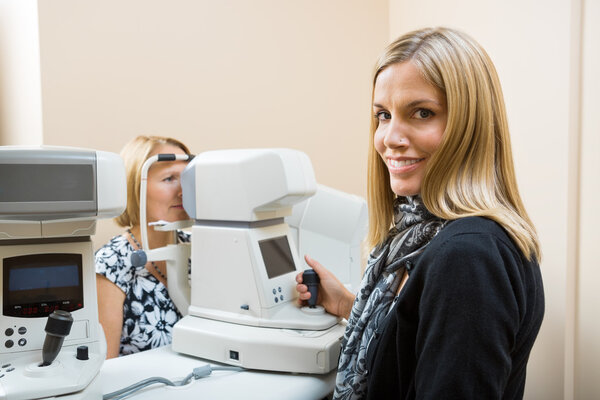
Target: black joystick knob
[(57, 327), (311, 279)]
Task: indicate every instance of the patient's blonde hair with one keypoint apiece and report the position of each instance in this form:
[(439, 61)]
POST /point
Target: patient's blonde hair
[(472, 172), (134, 154)]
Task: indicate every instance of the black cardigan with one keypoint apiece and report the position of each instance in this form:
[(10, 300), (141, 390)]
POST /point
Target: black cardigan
[(464, 323)]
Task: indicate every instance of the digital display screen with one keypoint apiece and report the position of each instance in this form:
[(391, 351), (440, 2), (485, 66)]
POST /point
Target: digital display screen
[(46, 182), (277, 256), (37, 284), (43, 277)]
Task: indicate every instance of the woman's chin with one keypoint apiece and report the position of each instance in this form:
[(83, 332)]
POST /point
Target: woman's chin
[(404, 192)]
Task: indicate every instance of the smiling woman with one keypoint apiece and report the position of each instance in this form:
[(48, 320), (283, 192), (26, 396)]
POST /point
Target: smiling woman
[(452, 298), (134, 306)]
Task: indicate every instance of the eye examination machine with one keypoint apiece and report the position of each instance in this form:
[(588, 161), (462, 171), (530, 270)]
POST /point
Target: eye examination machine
[(50, 198), (252, 209), (243, 309)]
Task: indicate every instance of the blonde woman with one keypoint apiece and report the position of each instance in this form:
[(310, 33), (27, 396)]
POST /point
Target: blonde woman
[(134, 306), (452, 298)]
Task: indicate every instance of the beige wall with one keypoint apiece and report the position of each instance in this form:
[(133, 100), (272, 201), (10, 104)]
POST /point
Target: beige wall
[(535, 49), (215, 74), (20, 94), (587, 366)]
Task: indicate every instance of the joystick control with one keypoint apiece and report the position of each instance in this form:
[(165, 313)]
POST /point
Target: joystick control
[(57, 327), (311, 279)]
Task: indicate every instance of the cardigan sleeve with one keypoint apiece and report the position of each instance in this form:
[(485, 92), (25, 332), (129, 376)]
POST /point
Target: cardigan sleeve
[(469, 317)]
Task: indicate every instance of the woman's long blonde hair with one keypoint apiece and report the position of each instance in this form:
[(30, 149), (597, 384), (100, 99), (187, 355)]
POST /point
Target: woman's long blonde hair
[(472, 172), (134, 154)]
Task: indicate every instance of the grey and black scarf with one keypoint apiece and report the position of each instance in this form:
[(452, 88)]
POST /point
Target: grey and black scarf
[(414, 227)]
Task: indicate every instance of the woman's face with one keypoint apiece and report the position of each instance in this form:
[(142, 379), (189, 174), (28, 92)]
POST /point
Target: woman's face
[(412, 116), (163, 201)]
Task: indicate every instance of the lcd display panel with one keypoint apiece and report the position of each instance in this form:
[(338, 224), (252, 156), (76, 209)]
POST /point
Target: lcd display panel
[(277, 256), (46, 277), (37, 284)]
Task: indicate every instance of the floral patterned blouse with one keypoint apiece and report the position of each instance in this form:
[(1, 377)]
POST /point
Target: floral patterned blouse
[(148, 312)]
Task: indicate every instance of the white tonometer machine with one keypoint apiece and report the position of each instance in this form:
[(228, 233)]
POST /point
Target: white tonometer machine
[(243, 308), (50, 199)]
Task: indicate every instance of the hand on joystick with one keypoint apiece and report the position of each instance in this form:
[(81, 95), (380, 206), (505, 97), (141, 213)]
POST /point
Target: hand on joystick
[(311, 279), (57, 327)]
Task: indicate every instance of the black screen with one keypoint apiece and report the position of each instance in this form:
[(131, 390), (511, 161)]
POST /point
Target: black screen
[(46, 277), (277, 256), (35, 285)]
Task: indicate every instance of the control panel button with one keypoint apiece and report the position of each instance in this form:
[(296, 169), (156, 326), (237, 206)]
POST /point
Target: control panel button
[(22, 342), (82, 353), (22, 330), (11, 369), (9, 332), (9, 344), (6, 365)]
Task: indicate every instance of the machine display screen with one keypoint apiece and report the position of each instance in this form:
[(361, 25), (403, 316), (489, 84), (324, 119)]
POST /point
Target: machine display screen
[(277, 256), (46, 182), (35, 285)]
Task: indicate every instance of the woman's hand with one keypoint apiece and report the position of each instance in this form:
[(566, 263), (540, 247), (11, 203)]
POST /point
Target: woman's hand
[(333, 295)]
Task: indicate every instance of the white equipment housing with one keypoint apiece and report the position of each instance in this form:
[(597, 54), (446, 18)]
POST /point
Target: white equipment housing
[(244, 307), (50, 199), (330, 227)]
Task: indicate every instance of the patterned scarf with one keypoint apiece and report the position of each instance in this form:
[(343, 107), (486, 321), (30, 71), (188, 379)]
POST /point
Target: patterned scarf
[(414, 227)]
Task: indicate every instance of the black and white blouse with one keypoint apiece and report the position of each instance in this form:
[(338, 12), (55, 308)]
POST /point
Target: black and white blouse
[(148, 312)]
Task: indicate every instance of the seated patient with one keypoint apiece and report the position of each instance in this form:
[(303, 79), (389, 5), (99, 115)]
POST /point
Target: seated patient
[(134, 306)]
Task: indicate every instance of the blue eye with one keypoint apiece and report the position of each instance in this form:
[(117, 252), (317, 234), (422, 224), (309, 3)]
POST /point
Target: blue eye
[(424, 113), (168, 179), (383, 115)]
